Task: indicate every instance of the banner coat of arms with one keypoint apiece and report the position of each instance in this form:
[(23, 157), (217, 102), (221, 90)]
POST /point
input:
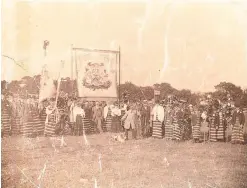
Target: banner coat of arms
[(96, 74)]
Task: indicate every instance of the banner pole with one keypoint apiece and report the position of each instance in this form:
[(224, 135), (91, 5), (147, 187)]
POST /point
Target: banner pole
[(72, 69), (119, 76), (76, 75)]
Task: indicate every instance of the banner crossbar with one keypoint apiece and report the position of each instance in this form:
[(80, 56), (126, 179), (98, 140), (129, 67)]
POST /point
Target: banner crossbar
[(97, 50)]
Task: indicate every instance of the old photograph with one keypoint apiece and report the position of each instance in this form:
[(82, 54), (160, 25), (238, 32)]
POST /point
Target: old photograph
[(124, 94)]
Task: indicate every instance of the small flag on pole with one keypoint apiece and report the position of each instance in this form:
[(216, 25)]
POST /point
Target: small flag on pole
[(46, 43)]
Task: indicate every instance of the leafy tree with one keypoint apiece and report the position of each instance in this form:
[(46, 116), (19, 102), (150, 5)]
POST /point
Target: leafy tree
[(243, 100), (165, 89), (226, 88)]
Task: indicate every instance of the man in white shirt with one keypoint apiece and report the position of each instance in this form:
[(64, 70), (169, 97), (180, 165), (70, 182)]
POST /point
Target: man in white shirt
[(78, 114)]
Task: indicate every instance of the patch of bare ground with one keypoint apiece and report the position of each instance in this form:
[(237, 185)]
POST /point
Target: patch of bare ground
[(147, 163)]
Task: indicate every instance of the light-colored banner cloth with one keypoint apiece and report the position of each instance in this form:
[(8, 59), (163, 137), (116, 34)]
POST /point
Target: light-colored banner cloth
[(97, 74)]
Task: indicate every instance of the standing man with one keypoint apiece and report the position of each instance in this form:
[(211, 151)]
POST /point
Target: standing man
[(129, 120), (98, 116), (145, 117), (78, 114)]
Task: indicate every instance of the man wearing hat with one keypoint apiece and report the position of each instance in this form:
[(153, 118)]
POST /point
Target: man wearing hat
[(145, 118)]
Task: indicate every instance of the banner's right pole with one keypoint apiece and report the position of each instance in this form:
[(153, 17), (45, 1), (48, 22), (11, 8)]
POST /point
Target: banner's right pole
[(119, 74), (72, 70), (76, 76)]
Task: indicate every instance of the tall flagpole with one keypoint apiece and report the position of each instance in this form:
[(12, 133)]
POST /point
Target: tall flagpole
[(45, 44), (59, 81)]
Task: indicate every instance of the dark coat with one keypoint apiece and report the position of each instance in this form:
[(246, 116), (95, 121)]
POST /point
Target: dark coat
[(240, 115)]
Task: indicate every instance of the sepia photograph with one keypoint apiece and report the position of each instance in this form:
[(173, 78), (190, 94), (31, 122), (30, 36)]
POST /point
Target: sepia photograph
[(124, 94)]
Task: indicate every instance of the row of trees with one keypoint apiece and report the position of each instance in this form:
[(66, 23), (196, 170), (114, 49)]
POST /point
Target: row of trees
[(223, 91)]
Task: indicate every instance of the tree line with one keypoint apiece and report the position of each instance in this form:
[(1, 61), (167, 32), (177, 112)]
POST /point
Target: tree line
[(223, 91)]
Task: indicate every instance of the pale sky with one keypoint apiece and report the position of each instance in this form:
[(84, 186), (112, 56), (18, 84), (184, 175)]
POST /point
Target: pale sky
[(191, 46)]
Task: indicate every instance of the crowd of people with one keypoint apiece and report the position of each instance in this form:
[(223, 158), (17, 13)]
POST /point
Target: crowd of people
[(170, 119)]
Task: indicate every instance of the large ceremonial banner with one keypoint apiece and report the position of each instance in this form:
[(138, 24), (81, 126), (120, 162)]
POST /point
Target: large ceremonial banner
[(97, 73)]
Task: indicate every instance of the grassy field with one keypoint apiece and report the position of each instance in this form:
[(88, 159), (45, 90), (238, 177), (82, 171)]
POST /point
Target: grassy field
[(148, 163)]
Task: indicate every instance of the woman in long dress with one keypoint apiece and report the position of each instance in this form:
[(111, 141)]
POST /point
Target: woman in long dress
[(176, 126), (220, 128), (5, 116), (30, 119), (204, 125), (196, 124), (168, 123), (87, 120), (108, 117), (157, 118), (238, 121), (51, 119), (42, 117), (16, 117), (228, 121), (214, 124), (116, 114)]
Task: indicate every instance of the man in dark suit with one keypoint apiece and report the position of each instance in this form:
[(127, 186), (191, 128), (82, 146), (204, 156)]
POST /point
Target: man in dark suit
[(98, 116), (145, 118)]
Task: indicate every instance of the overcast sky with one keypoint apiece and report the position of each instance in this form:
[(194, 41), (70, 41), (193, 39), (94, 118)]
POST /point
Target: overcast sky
[(192, 46)]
